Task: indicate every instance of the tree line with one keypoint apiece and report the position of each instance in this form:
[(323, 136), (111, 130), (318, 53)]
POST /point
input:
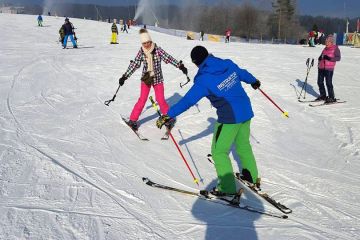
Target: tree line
[(245, 20)]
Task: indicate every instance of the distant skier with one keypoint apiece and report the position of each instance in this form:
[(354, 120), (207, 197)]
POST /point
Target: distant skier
[(114, 33), (219, 80), (201, 35), (321, 37), (125, 29), (69, 32), (40, 20), (311, 39), (327, 60), (151, 55), (227, 35)]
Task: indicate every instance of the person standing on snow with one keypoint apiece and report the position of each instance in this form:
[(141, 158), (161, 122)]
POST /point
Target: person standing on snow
[(40, 20), (125, 29), (114, 33), (327, 60), (219, 80), (201, 35), (311, 39), (151, 55), (227, 35), (69, 32)]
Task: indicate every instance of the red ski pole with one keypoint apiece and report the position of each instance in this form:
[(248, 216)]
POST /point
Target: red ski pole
[(177, 146), (286, 114)]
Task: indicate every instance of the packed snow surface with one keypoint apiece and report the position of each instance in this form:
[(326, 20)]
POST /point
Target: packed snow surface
[(71, 169)]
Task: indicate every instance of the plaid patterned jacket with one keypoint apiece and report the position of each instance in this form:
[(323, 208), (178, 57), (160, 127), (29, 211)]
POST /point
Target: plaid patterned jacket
[(159, 55)]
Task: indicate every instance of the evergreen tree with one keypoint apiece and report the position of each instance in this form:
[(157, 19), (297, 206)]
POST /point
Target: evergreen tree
[(282, 18)]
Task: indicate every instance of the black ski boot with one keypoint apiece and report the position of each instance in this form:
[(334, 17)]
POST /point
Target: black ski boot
[(320, 98), (133, 124), (246, 176)]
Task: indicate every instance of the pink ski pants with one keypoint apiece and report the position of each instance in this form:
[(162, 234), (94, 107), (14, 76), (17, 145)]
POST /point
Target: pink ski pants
[(144, 94)]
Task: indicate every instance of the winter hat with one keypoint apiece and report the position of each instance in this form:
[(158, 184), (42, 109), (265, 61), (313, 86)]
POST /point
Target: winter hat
[(198, 55), (330, 38), (144, 36)]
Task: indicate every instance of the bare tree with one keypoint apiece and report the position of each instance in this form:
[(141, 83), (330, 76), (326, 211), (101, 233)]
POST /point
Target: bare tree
[(247, 19)]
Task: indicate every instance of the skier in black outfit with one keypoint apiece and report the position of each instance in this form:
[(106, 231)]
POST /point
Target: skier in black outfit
[(69, 32), (124, 29)]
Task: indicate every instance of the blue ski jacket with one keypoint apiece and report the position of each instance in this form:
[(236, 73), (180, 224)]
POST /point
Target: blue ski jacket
[(219, 80)]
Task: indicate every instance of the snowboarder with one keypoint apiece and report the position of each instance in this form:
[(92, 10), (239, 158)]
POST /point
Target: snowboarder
[(40, 20), (327, 60), (151, 55), (69, 32), (219, 80), (114, 31)]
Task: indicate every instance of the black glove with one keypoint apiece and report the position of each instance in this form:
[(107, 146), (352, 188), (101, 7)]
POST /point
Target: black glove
[(165, 120), (183, 68), (326, 57), (122, 80), (256, 84), (320, 58)]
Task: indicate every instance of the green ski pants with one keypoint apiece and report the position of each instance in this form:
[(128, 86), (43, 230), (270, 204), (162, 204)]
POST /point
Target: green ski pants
[(225, 135)]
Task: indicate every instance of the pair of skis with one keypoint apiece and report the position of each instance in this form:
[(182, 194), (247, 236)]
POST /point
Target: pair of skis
[(318, 103), (235, 201), (205, 195), (256, 189)]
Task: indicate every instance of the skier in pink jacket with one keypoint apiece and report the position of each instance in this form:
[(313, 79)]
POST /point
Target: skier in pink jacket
[(327, 60)]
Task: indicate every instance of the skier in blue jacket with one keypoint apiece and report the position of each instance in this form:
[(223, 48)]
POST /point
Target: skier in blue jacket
[(40, 20), (219, 80)]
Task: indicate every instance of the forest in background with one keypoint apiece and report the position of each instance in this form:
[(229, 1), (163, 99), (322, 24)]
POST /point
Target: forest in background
[(245, 20)]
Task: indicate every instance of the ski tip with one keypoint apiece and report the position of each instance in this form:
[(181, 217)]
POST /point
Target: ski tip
[(284, 216), (147, 181)]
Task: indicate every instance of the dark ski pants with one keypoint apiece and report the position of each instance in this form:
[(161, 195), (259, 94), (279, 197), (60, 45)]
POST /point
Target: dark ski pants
[(327, 74)]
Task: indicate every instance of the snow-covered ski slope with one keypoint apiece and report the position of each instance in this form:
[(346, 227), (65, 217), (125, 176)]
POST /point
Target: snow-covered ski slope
[(71, 169)]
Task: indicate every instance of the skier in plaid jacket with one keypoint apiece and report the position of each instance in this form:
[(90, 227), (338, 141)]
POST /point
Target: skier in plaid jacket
[(151, 56)]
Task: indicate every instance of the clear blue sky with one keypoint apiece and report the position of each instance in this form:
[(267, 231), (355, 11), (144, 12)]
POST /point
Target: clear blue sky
[(332, 8)]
